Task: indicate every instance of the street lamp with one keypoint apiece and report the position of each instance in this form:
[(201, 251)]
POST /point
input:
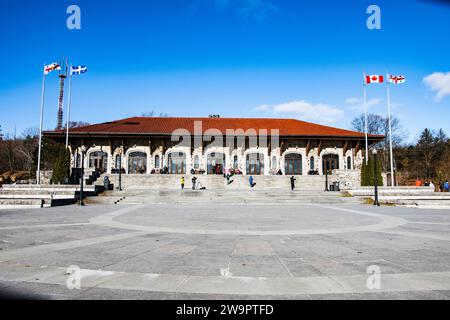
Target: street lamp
[(375, 179), (83, 153), (326, 176), (120, 170)]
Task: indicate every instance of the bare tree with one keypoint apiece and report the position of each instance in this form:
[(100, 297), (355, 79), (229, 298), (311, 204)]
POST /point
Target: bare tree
[(152, 114)]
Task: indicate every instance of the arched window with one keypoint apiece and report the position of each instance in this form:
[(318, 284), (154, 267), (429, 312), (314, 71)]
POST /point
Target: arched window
[(157, 162), (177, 163), (98, 160), (137, 163), (312, 164), (349, 163), (255, 164), (274, 163), (293, 164), (78, 161), (196, 162), (330, 162), (118, 161), (215, 163), (235, 162)]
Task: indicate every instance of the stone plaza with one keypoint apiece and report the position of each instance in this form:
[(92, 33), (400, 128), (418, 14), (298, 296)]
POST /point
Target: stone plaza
[(328, 247)]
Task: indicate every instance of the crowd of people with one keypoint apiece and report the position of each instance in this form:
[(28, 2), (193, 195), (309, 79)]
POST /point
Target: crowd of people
[(443, 186)]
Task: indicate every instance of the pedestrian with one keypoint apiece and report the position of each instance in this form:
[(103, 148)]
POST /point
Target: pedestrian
[(432, 186), (293, 183), (251, 182), (182, 183), (194, 183), (446, 186), (441, 186)]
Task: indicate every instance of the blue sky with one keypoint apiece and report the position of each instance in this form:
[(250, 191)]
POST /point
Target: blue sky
[(249, 58)]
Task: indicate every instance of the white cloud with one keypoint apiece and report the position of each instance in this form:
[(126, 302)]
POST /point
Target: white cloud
[(440, 83), (303, 110), (358, 104), (257, 9)]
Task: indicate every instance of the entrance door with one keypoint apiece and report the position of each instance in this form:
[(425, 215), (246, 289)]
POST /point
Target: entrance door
[(98, 160), (255, 164), (137, 163), (293, 164), (330, 162), (177, 163), (215, 163)]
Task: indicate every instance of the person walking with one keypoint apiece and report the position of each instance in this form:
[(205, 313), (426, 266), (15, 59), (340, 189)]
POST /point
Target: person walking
[(441, 186), (446, 186), (251, 182), (293, 183), (194, 183), (182, 183)]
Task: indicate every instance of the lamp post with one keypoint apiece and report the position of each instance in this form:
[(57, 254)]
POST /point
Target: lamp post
[(83, 152), (120, 170), (326, 176), (375, 178)]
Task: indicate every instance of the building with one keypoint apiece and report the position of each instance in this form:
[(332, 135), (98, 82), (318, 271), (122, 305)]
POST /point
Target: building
[(147, 145)]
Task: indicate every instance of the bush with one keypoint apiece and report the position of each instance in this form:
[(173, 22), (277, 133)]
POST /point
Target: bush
[(368, 174), (61, 166)]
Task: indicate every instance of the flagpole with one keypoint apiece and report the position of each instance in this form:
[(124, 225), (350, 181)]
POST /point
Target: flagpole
[(365, 120), (38, 178), (68, 106), (390, 131)]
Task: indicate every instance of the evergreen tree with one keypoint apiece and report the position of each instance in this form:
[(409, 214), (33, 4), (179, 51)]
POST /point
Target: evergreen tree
[(368, 173), (61, 166)]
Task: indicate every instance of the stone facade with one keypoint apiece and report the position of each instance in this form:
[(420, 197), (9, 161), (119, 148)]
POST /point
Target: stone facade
[(198, 159)]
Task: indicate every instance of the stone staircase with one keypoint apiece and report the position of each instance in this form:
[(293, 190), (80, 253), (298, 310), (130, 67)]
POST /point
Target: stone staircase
[(40, 196), (268, 196)]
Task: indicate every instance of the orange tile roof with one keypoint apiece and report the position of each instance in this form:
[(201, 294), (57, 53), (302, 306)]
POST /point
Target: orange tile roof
[(166, 125)]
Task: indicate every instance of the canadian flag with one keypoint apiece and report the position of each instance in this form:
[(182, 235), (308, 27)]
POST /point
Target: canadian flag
[(374, 79)]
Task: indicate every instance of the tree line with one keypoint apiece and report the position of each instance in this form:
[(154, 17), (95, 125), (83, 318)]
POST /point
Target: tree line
[(426, 159)]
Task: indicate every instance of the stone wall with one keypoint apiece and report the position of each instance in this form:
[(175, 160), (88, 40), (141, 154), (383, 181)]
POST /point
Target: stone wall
[(349, 179), (46, 176)]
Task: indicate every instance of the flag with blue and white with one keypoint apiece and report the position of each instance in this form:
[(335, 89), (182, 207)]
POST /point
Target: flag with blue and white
[(78, 70)]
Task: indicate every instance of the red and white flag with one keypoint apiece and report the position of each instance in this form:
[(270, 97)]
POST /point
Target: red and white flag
[(374, 79), (397, 79), (51, 67)]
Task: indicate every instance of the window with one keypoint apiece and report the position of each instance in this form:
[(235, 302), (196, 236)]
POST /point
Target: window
[(137, 163), (78, 163), (118, 162), (177, 163), (215, 163), (349, 163), (157, 162), (98, 160), (196, 162), (330, 162), (293, 164), (312, 165), (255, 164), (235, 162)]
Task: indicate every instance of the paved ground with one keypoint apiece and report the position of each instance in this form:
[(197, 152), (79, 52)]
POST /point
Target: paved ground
[(214, 251)]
